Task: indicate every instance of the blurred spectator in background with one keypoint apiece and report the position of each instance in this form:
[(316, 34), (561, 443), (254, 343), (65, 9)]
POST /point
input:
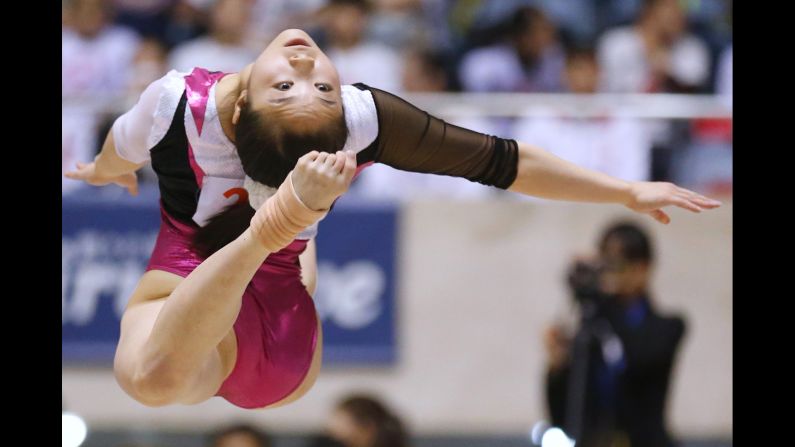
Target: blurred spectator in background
[(148, 18), (447, 23), (577, 19), (240, 435), (224, 48), (149, 65), (357, 58), (613, 144), (723, 85), (608, 385), (656, 54), (187, 20), (362, 421), (270, 17), (96, 56), (529, 60), (398, 23), (424, 72)]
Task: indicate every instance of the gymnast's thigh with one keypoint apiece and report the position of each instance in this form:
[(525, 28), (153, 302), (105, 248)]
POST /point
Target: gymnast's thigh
[(137, 322)]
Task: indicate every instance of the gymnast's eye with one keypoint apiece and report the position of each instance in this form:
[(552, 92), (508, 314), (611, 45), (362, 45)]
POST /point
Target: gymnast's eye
[(323, 87), (283, 86)]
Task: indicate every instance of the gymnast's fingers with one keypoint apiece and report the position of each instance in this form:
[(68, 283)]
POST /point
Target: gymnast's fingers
[(660, 216), (339, 162), (82, 173), (330, 160), (308, 157), (350, 166)]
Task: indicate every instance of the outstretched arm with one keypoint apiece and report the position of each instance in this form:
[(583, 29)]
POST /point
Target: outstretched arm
[(412, 140), (108, 167), (542, 174), (126, 147)]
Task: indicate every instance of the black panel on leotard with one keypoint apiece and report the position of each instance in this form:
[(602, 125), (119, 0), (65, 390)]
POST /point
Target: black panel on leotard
[(179, 192), (410, 139)]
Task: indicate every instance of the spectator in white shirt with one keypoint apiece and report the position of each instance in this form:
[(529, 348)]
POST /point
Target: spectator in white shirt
[(96, 56), (656, 54), (224, 49)]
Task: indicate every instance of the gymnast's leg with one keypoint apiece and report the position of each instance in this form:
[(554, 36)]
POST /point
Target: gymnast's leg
[(180, 349)]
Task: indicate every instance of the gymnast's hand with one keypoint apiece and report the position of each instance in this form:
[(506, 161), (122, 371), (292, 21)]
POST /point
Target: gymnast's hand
[(319, 177), (650, 197), (87, 172)]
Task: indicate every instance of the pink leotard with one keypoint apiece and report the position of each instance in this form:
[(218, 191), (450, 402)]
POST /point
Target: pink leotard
[(276, 329)]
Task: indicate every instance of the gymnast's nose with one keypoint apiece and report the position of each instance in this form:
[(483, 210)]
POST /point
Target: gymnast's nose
[(302, 63)]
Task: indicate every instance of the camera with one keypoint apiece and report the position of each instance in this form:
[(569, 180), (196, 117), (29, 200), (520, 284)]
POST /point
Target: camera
[(584, 281)]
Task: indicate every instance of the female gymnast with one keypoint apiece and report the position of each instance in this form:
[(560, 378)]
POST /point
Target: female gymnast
[(247, 163)]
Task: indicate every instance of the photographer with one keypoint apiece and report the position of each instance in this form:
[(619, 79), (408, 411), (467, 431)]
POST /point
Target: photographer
[(607, 385)]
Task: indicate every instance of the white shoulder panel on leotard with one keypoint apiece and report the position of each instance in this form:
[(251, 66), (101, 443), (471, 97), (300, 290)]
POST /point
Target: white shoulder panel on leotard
[(215, 154), (360, 117), (362, 121), (142, 127)]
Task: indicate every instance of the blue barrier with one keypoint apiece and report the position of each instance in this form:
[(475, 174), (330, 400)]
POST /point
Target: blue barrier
[(107, 239)]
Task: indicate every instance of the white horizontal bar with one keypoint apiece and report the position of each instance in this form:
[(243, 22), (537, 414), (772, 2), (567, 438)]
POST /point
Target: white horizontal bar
[(454, 105)]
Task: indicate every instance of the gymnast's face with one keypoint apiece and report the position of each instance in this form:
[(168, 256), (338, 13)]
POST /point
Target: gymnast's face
[(294, 80)]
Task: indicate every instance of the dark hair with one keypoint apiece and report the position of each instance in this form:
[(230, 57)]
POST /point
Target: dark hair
[(432, 59), (433, 63), (368, 411), (525, 17), (574, 51), (635, 243), (364, 5), (520, 20), (268, 152), (647, 5), (262, 438)]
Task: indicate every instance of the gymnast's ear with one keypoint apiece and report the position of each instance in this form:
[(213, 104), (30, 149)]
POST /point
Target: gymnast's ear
[(239, 104)]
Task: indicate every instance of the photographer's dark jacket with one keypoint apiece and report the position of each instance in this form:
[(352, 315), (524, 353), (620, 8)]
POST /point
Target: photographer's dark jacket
[(625, 398)]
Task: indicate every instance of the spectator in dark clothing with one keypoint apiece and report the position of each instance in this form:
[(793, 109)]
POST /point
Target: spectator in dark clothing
[(239, 435), (362, 420), (608, 385)]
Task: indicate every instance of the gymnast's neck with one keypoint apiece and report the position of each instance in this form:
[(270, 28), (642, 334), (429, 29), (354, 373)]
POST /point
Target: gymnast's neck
[(226, 93)]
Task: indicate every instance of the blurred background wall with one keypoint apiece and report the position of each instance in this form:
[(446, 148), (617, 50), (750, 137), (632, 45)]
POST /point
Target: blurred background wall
[(477, 282)]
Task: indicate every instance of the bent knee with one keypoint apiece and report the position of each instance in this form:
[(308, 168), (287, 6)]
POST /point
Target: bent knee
[(153, 386)]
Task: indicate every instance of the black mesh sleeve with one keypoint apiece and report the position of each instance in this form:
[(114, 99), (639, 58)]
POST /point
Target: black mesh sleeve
[(410, 139)]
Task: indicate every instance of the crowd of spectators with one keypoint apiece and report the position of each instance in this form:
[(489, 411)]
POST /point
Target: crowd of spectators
[(115, 48)]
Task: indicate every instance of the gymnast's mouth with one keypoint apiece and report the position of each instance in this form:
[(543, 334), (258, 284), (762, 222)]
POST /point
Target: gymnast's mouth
[(297, 42)]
